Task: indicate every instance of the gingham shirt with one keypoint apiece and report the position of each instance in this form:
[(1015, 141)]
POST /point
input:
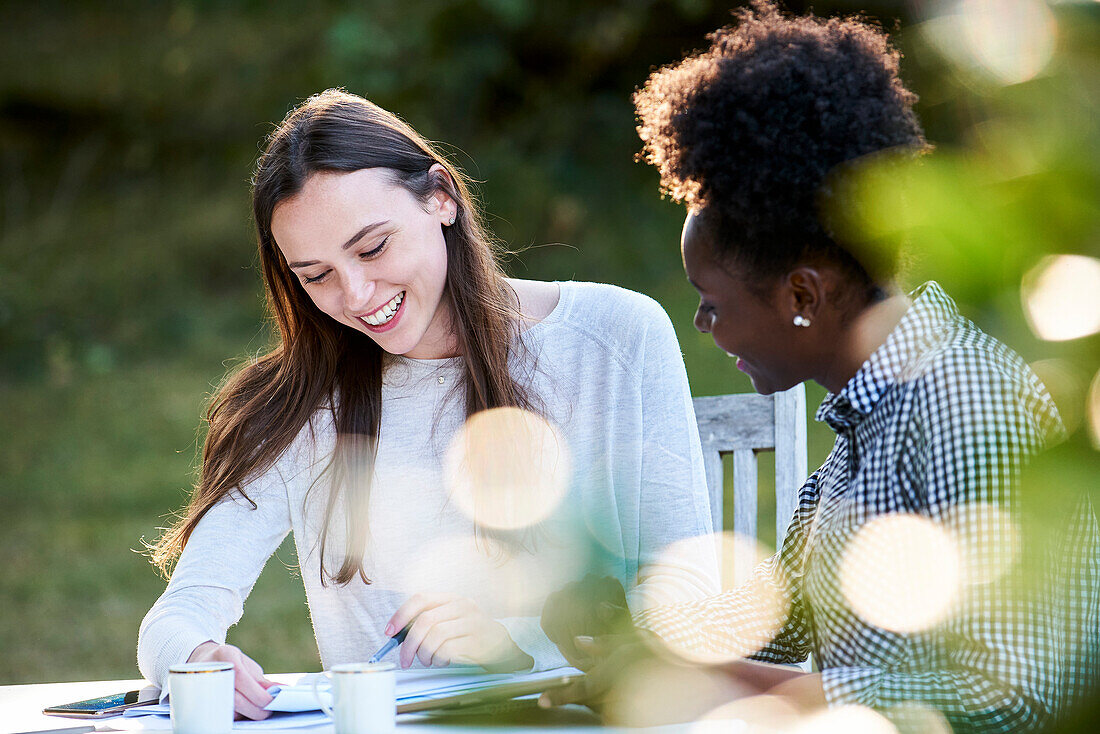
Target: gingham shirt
[(936, 424)]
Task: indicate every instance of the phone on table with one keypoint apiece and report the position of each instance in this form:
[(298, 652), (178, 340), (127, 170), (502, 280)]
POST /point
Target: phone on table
[(103, 706)]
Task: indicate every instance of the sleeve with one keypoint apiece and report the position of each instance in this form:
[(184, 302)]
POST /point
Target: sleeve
[(764, 618), (215, 573), (677, 558), (992, 664)]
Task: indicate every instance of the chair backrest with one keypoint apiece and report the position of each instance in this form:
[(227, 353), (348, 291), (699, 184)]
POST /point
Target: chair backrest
[(744, 425)]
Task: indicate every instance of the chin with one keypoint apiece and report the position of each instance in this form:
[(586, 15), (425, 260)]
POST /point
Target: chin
[(763, 388), (766, 386)]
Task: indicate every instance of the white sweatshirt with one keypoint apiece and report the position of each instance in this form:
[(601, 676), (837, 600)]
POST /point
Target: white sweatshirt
[(607, 369)]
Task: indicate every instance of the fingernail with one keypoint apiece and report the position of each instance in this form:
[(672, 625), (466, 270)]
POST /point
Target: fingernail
[(389, 630), (544, 701), (584, 639)]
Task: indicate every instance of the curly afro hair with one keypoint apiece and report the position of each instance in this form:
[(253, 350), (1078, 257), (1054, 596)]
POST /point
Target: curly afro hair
[(749, 129)]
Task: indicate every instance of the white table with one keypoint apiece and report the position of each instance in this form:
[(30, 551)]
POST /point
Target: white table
[(21, 710)]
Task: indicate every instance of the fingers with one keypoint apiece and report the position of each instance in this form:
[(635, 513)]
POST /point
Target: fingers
[(249, 682), (608, 592), (614, 656), (250, 689), (447, 629), (600, 648), (590, 607), (416, 605), (423, 625), (441, 645), (587, 645), (575, 692), (565, 615), (253, 669), (247, 709)]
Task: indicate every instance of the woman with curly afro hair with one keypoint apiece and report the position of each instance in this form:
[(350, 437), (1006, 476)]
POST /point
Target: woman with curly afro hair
[(934, 421)]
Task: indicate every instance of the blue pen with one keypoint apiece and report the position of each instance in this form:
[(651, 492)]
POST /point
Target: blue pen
[(390, 644)]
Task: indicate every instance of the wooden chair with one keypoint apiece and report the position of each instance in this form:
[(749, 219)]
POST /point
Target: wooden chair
[(744, 425)]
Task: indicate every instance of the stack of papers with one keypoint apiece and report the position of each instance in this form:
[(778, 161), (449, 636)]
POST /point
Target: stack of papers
[(296, 706)]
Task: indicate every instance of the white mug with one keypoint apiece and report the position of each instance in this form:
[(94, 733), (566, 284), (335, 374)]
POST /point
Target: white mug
[(200, 698), (364, 698)]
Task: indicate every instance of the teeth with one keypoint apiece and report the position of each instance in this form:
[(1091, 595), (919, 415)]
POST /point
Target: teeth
[(384, 314)]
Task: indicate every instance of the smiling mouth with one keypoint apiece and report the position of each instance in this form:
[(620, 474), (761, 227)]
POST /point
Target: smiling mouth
[(385, 314)]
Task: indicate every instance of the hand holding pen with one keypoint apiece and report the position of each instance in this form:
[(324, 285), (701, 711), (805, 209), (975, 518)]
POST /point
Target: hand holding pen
[(441, 629), (390, 644)]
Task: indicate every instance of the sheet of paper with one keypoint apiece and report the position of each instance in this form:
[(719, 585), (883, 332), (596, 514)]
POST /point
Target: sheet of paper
[(411, 685), (301, 720), (297, 706)]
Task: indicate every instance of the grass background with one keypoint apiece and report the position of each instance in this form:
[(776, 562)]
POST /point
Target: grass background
[(127, 279)]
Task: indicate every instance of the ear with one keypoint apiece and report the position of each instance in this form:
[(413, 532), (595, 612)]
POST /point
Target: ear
[(803, 293), (442, 203)]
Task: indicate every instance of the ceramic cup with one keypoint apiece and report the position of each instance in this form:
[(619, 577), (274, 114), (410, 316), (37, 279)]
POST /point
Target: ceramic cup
[(364, 698), (201, 698)]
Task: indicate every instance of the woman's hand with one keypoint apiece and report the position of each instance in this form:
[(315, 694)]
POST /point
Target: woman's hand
[(449, 629), (251, 686), (637, 681), (591, 607)]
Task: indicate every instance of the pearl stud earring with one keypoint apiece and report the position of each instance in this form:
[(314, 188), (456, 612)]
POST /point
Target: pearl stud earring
[(801, 320)]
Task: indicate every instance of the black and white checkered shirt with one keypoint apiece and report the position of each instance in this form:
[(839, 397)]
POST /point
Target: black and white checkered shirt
[(936, 425)]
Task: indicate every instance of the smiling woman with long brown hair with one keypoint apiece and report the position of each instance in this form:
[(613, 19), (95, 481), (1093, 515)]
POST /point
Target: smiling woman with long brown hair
[(395, 324)]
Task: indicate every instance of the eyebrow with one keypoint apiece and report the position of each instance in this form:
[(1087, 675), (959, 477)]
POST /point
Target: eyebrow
[(350, 243)]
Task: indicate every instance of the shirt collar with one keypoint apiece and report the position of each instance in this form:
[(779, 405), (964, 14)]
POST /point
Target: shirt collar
[(923, 324)]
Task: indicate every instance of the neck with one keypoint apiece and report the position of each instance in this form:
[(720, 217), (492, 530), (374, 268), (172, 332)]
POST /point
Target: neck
[(440, 341), (860, 338)]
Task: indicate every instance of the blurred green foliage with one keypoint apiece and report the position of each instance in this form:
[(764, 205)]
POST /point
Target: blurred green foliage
[(127, 283)]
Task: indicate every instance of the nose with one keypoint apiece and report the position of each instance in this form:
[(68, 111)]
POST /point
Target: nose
[(358, 292), (702, 321)]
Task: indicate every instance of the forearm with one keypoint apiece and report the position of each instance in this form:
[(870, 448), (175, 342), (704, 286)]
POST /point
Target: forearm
[(215, 572), (968, 700)]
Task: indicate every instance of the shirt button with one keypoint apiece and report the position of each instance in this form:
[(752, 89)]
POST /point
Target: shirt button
[(441, 380)]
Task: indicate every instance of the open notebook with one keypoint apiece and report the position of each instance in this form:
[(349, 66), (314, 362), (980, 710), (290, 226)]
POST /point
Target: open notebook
[(454, 688)]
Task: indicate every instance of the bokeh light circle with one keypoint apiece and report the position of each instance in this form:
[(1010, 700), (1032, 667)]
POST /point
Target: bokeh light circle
[(1006, 41), (507, 468), (654, 693), (849, 719), (762, 606), (760, 714), (1061, 297), (901, 573)]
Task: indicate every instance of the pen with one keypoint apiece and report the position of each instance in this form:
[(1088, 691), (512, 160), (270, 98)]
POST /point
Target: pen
[(390, 644)]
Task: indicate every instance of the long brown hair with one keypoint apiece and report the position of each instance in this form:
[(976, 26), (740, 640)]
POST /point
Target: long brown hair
[(316, 361)]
